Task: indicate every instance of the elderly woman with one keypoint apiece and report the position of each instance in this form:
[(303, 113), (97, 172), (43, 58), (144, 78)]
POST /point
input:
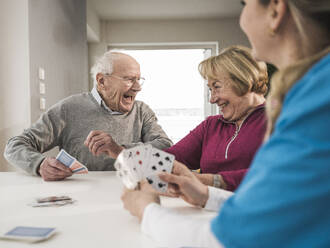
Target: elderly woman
[(223, 146), (284, 200)]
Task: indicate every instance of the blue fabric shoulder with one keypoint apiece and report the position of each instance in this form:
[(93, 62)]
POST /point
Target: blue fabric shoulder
[(284, 200)]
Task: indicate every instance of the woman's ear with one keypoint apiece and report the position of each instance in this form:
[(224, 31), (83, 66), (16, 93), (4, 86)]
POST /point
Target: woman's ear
[(278, 9)]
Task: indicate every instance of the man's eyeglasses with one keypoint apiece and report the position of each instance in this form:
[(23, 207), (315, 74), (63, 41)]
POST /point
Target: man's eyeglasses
[(129, 81)]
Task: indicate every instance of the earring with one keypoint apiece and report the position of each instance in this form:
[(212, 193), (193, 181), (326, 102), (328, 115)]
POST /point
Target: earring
[(271, 32), (274, 13)]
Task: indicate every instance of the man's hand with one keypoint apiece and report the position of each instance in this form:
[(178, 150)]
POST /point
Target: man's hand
[(135, 201), (53, 170), (100, 142), (183, 182)]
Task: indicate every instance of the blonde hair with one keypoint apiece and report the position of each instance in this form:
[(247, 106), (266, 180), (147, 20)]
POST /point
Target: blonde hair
[(246, 73), (315, 12)]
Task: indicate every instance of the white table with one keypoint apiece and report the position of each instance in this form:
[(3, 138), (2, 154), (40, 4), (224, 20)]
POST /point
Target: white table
[(96, 219)]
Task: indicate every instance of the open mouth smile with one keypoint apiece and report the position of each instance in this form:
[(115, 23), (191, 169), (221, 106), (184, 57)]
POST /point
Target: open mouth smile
[(128, 98), (222, 105)]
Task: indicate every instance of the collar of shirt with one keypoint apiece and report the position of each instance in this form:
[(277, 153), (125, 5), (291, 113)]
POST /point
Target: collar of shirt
[(100, 101)]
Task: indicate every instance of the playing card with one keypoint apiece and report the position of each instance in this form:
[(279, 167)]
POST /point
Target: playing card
[(51, 201), (78, 168), (29, 233), (157, 183), (52, 204), (143, 162), (160, 161), (69, 161), (53, 198), (65, 158), (138, 159), (124, 174)]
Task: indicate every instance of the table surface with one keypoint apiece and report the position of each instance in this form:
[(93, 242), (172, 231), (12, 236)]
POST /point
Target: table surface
[(96, 218)]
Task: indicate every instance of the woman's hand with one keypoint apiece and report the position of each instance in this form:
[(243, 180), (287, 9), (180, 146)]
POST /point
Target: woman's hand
[(184, 183), (135, 201), (208, 179)]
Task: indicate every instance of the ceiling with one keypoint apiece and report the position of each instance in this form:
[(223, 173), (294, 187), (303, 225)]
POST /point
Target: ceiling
[(165, 9)]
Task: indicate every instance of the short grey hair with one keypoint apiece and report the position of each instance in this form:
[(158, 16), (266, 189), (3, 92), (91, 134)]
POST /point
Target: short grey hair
[(104, 64)]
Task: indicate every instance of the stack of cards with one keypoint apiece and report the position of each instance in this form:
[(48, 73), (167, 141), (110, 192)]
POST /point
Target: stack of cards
[(144, 162), (69, 161), (52, 201)]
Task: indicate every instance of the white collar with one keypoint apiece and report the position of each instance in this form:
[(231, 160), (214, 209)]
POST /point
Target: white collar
[(100, 101)]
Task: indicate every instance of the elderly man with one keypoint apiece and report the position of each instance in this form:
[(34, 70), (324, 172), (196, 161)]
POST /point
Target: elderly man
[(89, 125)]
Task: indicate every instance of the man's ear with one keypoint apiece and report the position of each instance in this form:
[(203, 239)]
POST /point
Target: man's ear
[(278, 9), (100, 80)]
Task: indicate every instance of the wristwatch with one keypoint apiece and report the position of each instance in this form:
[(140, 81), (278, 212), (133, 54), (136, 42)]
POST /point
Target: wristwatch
[(216, 181)]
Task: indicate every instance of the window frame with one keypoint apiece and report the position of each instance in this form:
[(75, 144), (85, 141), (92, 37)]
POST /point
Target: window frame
[(211, 48)]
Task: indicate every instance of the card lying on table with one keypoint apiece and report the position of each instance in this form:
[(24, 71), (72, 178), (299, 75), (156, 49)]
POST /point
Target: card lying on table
[(69, 161), (28, 233), (143, 162), (52, 201)]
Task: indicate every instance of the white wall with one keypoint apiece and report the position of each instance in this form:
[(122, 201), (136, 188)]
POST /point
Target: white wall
[(33, 33), (14, 71), (225, 31), (58, 43), (93, 24)]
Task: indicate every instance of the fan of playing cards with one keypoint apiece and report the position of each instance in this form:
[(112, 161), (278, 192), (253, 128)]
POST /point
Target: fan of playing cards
[(143, 162)]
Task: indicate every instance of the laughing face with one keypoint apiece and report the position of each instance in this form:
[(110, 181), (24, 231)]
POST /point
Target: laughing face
[(232, 106), (119, 89)]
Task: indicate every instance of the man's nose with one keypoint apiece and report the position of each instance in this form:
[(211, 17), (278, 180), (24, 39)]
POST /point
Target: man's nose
[(136, 88)]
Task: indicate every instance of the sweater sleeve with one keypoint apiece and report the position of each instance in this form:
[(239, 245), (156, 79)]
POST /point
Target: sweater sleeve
[(189, 149), (171, 229), (233, 178), (152, 133), (25, 151)]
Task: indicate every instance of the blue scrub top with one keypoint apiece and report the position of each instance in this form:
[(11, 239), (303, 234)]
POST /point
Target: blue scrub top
[(284, 200)]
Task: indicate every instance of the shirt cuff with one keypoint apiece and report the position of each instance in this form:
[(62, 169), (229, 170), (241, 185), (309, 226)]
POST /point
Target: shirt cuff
[(145, 226), (216, 198), (158, 223)]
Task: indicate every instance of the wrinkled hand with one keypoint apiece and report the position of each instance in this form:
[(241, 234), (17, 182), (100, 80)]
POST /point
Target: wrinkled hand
[(53, 170), (99, 142), (183, 182), (135, 201)]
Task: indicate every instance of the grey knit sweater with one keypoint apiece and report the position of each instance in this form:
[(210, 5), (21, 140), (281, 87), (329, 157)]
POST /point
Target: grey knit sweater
[(67, 125)]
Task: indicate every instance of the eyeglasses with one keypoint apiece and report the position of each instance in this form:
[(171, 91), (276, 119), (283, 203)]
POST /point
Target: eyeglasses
[(129, 81)]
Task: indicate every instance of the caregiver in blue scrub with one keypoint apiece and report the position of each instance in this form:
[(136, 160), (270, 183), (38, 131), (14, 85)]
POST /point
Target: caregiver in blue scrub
[(284, 200)]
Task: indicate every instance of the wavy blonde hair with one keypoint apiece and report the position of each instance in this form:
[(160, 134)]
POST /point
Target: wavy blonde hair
[(244, 71), (315, 12)]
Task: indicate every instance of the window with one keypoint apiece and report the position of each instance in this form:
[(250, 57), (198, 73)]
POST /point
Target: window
[(174, 89)]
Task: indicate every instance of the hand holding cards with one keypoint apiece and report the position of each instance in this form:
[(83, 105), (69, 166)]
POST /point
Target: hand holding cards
[(72, 163), (143, 162)]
